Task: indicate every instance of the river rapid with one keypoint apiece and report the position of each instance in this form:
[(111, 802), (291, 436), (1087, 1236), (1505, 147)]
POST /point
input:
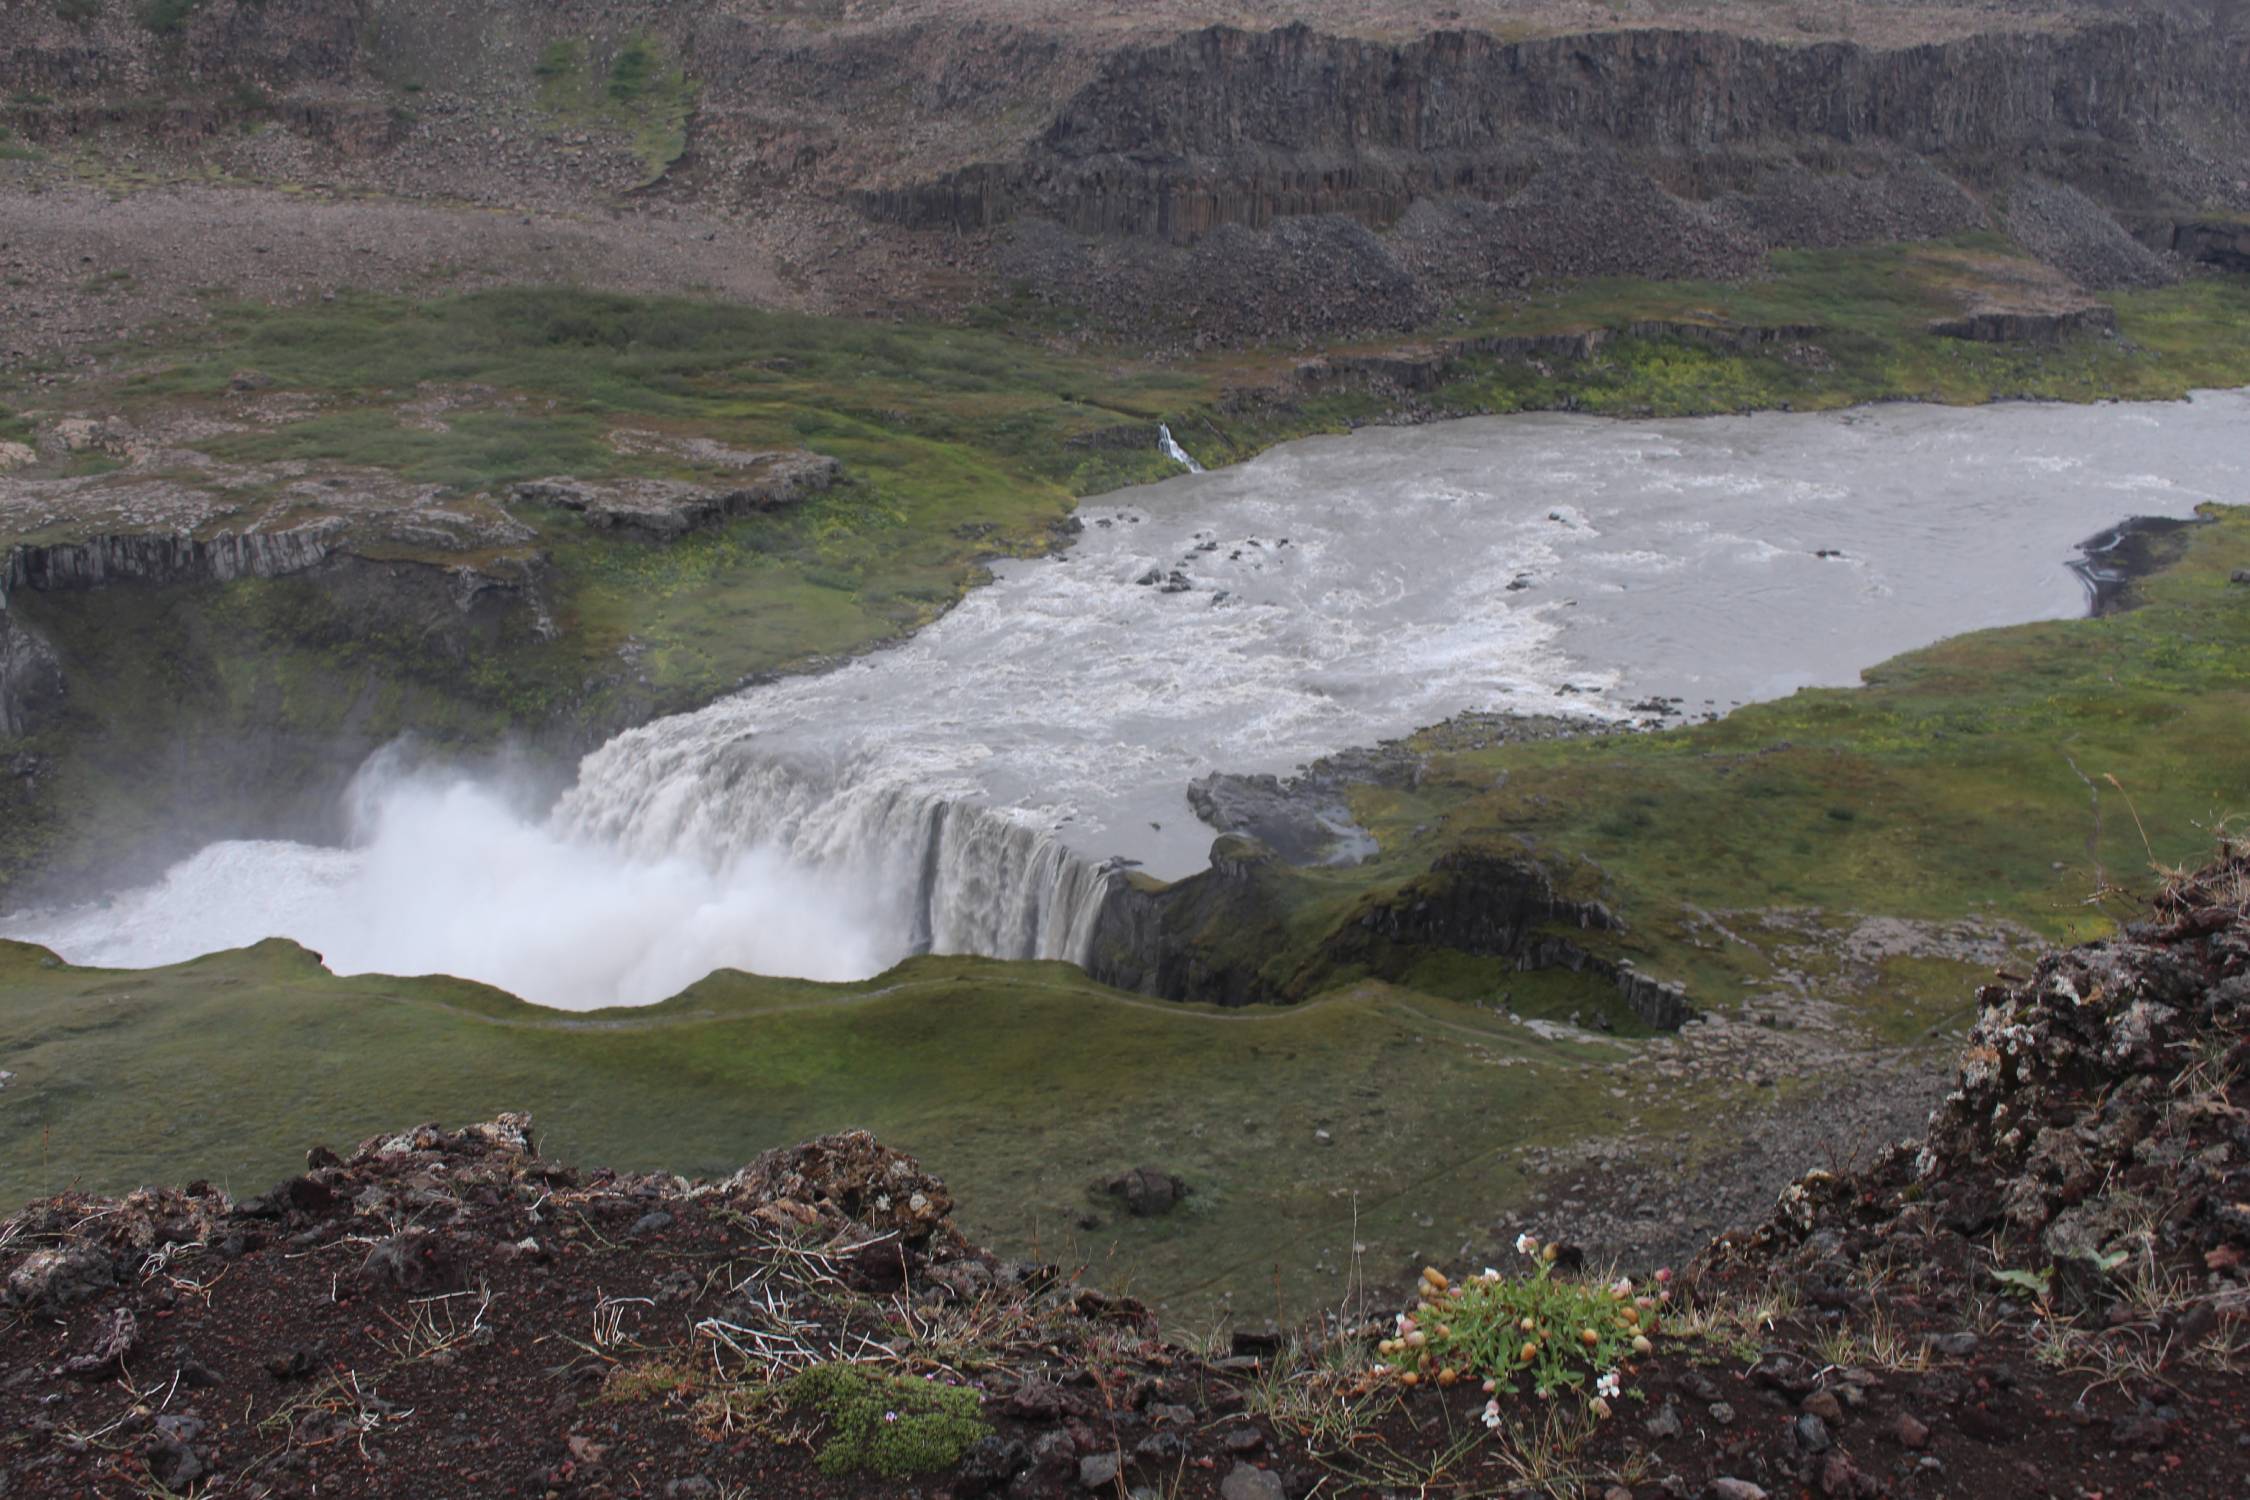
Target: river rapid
[(970, 789)]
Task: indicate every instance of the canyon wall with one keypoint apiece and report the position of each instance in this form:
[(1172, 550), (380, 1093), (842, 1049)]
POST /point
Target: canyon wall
[(1236, 127), (1176, 179)]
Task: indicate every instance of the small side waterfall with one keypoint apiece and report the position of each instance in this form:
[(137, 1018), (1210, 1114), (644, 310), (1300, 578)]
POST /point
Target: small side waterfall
[(1174, 452), (937, 872)]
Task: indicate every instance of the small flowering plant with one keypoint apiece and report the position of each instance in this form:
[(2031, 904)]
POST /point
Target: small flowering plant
[(1508, 1331)]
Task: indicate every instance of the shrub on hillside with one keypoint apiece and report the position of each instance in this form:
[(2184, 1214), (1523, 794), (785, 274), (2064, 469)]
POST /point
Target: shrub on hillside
[(1504, 1330)]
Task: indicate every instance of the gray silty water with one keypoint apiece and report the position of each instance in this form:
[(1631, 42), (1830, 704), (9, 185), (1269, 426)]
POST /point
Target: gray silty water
[(957, 792), (1343, 589)]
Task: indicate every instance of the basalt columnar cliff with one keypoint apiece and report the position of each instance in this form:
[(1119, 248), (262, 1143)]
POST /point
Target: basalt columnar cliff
[(1174, 164)]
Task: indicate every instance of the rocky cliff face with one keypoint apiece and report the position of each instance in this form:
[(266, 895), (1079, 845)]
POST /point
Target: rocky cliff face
[(2218, 241), (31, 680), (1139, 163), (89, 48), (166, 558), (1366, 181), (1238, 127), (1208, 937), (32, 683)]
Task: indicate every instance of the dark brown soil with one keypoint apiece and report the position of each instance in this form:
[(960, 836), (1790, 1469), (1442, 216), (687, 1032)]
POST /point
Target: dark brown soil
[(447, 1314)]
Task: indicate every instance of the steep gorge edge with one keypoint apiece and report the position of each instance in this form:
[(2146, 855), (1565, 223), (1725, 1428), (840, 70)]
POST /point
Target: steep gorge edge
[(1223, 936), (371, 645), (1231, 127)]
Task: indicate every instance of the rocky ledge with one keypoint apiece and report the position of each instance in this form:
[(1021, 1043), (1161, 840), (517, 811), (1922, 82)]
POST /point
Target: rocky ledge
[(663, 509), (2047, 1295)]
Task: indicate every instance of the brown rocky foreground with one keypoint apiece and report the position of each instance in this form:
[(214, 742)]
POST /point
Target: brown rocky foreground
[(2044, 1296)]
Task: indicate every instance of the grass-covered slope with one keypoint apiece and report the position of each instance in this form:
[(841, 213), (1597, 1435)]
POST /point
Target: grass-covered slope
[(1027, 1082), (1867, 315)]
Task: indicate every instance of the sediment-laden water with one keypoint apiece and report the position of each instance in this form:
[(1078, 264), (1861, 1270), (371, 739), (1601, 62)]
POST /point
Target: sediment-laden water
[(962, 791)]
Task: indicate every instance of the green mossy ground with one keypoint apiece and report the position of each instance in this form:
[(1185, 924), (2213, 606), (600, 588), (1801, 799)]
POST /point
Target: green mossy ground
[(957, 446), (1022, 1083), (890, 1425), (1874, 307)]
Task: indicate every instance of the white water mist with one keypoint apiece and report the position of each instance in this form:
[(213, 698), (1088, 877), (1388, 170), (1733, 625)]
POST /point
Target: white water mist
[(446, 876)]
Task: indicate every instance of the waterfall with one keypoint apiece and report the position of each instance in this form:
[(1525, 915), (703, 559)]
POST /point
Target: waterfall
[(935, 871), (1174, 452), (974, 788)]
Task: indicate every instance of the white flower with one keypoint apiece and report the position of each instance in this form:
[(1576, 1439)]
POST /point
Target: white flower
[(1622, 1287), (1492, 1413), (1526, 1245), (1490, 1275), (1607, 1385)]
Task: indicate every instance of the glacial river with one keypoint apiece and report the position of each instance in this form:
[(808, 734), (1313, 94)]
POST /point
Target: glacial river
[(963, 791)]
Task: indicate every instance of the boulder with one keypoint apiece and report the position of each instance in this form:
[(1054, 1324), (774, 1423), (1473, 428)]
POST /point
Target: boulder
[(853, 1176), (1146, 1191), (1248, 1483), (664, 509), (51, 1280)]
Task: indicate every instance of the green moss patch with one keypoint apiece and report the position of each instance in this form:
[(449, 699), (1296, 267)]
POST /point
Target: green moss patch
[(886, 1424), (642, 93)]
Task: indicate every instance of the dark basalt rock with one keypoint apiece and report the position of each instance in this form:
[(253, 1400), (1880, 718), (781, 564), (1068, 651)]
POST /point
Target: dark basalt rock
[(2019, 327), (1234, 127), (666, 509), (1146, 1191)]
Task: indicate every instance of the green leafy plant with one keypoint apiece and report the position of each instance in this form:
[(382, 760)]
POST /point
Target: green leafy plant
[(886, 1424), (561, 59), (1504, 1330), (636, 70), (2033, 1284)]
